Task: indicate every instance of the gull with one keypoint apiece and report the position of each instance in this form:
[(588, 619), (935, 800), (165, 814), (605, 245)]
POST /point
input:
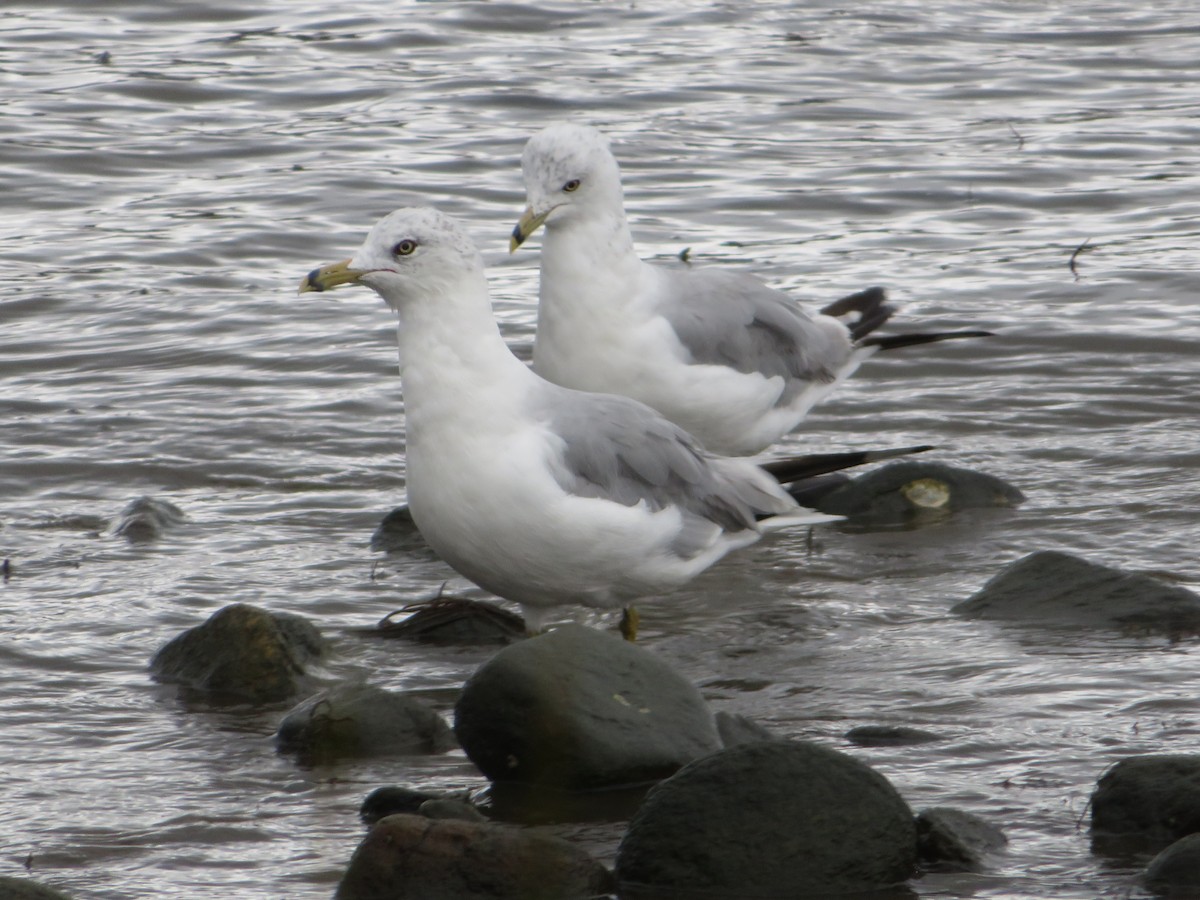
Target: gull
[(732, 361), (540, 494)]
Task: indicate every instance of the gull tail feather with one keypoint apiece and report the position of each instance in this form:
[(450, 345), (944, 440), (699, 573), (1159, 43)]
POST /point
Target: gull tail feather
[(897, 341)]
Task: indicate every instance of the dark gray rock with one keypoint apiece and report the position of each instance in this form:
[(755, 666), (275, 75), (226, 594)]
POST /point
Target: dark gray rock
[(1175, 872), (354, 720), (393, 799), (889, 736), (780, 818), (398, 533), (1155, 799), (736, 729), (447, 808), (147, 518), (454, 620), (956, 841), (407, 857), (912, 491), (242, 653), (12, 888), (578, 709), (1049, 586)]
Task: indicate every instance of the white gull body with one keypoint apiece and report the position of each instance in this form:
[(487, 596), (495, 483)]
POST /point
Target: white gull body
[(541, 494)]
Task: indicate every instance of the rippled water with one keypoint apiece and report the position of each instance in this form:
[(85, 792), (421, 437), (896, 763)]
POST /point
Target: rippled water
[(169, 171)]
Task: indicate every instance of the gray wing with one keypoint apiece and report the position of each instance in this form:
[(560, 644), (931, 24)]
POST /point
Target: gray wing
[(621, 450), (727, 318)]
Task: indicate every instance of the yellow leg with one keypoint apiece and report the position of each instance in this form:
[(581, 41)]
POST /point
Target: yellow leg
[(629, 623)]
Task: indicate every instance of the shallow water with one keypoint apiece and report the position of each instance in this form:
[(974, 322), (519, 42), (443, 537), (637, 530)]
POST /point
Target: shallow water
[(167, 175)]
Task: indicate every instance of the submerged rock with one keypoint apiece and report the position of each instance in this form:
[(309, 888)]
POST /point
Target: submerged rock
[(147, 518), (578, 709), (361, 720), (398, 533), (393, 799), (454, 620), (912, 491), (1175, 871), (406, 857), (242, 653), (1146, 802), (781, 818), (1049, 586), (889, 736), (12, 888), (956, 841)]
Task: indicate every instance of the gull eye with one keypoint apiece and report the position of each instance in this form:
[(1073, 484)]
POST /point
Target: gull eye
[(405, 247), (572, 185)]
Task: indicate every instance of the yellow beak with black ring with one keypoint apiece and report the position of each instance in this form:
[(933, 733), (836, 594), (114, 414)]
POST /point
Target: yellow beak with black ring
[(528, 224), (330, 276)]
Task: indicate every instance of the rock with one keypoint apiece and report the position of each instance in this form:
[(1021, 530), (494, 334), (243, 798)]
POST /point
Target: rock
[(12, 888), (398, 533), (889, 736), (780, 817), (914, 490), (1049, 586), (578, 709), (1154, 799), (407, 857), (446, 808), (354, 720), (146, 518), (387, 801), (242, 653), (454, 620), (956, 841), (735, 729), (1175, 871)]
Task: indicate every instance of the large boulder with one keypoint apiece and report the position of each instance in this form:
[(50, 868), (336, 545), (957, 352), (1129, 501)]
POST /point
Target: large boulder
[(578, 709), (407, 857), (1049, 586), (354, 720), (780, 817), (242, 653), (913, 491), (147, 518), (1146, 802)]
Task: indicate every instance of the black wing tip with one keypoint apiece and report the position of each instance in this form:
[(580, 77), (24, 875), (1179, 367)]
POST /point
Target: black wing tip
[(898, 341)]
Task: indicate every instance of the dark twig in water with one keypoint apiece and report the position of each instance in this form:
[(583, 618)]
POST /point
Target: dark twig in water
[(6, 570), (1075, 255), (1020, 137)]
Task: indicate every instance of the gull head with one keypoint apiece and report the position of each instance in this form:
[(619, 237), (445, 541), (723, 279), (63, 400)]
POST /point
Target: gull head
[(570, 173), (410, 253)]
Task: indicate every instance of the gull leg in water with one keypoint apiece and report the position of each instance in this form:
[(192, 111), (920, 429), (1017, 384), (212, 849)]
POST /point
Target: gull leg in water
[(735, 363)]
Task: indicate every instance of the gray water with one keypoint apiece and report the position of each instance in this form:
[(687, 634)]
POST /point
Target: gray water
[(169, 171)]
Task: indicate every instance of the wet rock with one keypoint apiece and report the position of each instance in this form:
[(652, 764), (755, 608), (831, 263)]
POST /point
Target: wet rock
[(956, 841), (1049, 586), (782, 818), (447, 808), (242, 653), (1152, 800), (398, 533), (889, 736), (407, 857), (736, 729), (454, 620), (355, 720), (578, 709), (393, 799), (147, 518), (910, 491), (1175, 872), (12, 888)]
